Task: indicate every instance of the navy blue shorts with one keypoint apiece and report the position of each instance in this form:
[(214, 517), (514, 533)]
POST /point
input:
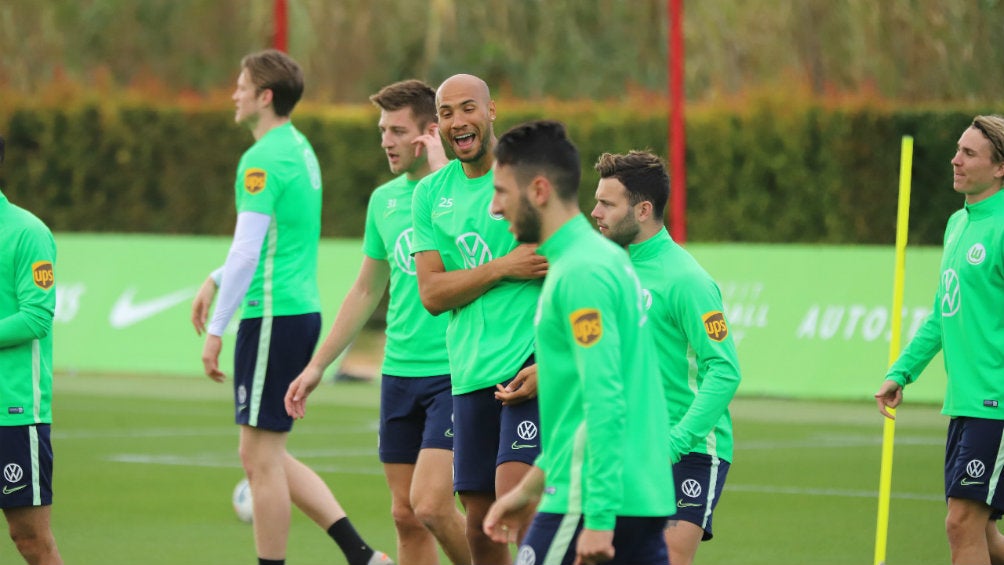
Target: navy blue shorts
[(973, 461), (415, 413), (26, 456), (637, 540), (489, 434), (699, 481), (270, 353)]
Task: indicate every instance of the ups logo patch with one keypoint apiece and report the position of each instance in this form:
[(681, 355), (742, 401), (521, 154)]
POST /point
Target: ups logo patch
[(587, 326), (41, 273), (254, 180), (714, 324)]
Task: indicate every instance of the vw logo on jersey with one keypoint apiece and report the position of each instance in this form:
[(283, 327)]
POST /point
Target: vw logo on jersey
[(13, 473), (691, 488), (402, 251), (977, 253), (975, 468), (527, 430), (474, 250), (951, 297)]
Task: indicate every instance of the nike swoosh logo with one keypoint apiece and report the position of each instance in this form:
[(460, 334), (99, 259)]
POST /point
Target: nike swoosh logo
[(681, 504), (967, 482), (522, 445), (7, 490), (125, 312), (439, 213), (448, 433)]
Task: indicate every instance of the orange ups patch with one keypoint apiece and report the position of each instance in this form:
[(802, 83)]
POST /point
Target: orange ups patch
[(254, 180), (41, 272), (587, 326), (714, 324)]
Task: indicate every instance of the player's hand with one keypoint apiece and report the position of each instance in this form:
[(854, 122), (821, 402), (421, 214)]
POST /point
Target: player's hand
[(509, 516), (432, 144), (211, 358), (521, 388), (889, 395), (299, 390), (523, 262), (594, 546), (200, 305)]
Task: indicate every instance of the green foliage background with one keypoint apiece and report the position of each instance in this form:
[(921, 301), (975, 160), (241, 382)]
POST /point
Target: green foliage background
[(772, 171)]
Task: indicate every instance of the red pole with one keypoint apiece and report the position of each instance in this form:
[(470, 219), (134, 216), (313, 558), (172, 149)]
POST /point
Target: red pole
[(677, 131), (280, 34)]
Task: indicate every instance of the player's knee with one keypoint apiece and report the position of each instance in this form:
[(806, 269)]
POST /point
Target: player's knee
[(32, 545), (961, 525), (432, 514), (404, 516)]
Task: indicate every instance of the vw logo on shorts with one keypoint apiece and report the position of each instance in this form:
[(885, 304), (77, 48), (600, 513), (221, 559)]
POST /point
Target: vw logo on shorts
[(975, 468), (526, 556), (13, 473), (242, 395), (691, 488), (527, 430)]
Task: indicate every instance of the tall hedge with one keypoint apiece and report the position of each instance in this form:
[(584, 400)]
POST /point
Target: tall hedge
[(770, 172)]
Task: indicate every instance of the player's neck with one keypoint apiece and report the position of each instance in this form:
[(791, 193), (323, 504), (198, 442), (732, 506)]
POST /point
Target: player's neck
[(648, 230), (552, 220), (267, 121)]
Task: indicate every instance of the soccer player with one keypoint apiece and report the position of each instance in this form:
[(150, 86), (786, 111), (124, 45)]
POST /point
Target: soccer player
[(966, 324), (416, 407), (697, 356), (27, 307), (468, 264), (271, 272), (604, 463)]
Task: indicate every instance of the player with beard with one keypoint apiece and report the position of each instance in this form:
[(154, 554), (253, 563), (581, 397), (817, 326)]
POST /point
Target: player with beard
[(697, 355), (470, 266), (604, 465)]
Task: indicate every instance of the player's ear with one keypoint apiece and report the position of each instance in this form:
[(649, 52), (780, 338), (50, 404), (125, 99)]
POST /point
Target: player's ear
[(540, 190), (266, 95), (644, 211)]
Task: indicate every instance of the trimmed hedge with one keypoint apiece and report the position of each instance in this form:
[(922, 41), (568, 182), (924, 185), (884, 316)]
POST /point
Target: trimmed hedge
[(770, 172)]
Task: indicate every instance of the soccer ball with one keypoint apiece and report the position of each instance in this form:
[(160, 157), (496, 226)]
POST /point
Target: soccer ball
[(242, 501)]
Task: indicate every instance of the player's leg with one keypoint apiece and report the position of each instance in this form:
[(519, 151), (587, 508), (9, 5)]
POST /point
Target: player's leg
[(262, 454), (519, 443), (32, 535), (972, 450), (402, 421), (415, 543), (966, 529), (475, 448), (431, 493), (27, 491), (995, 543), (699, 479), (435, 506)]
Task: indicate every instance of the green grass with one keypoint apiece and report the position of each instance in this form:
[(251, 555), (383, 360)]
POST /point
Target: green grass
[(145, 467)]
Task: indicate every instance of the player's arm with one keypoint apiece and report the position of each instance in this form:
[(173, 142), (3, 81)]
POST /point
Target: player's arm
[(926, 343), (592, 301), (513, 512), (699, 309), (443, 290), (238, 270), (357, 307), (36, 304)]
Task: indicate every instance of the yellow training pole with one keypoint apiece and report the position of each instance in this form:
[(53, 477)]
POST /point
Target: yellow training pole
[(889, 429)]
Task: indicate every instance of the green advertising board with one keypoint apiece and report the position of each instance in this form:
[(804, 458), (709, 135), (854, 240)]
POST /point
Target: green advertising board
[(809, 321)]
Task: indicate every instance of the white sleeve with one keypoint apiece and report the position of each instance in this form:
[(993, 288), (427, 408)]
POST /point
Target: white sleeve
[(242, 261)]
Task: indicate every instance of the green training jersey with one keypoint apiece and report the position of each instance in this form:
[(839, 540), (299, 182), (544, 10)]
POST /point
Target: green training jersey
[(279, 176), (603, 417), (490, 338), (416, 340), (966, 320), (27, 307), (697, 355)]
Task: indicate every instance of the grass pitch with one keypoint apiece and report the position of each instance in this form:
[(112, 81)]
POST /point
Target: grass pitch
[(145, 467)]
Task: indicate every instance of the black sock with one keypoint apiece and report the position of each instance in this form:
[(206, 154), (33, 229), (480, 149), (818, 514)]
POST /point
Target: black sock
[(262, 561), (355, 549)]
